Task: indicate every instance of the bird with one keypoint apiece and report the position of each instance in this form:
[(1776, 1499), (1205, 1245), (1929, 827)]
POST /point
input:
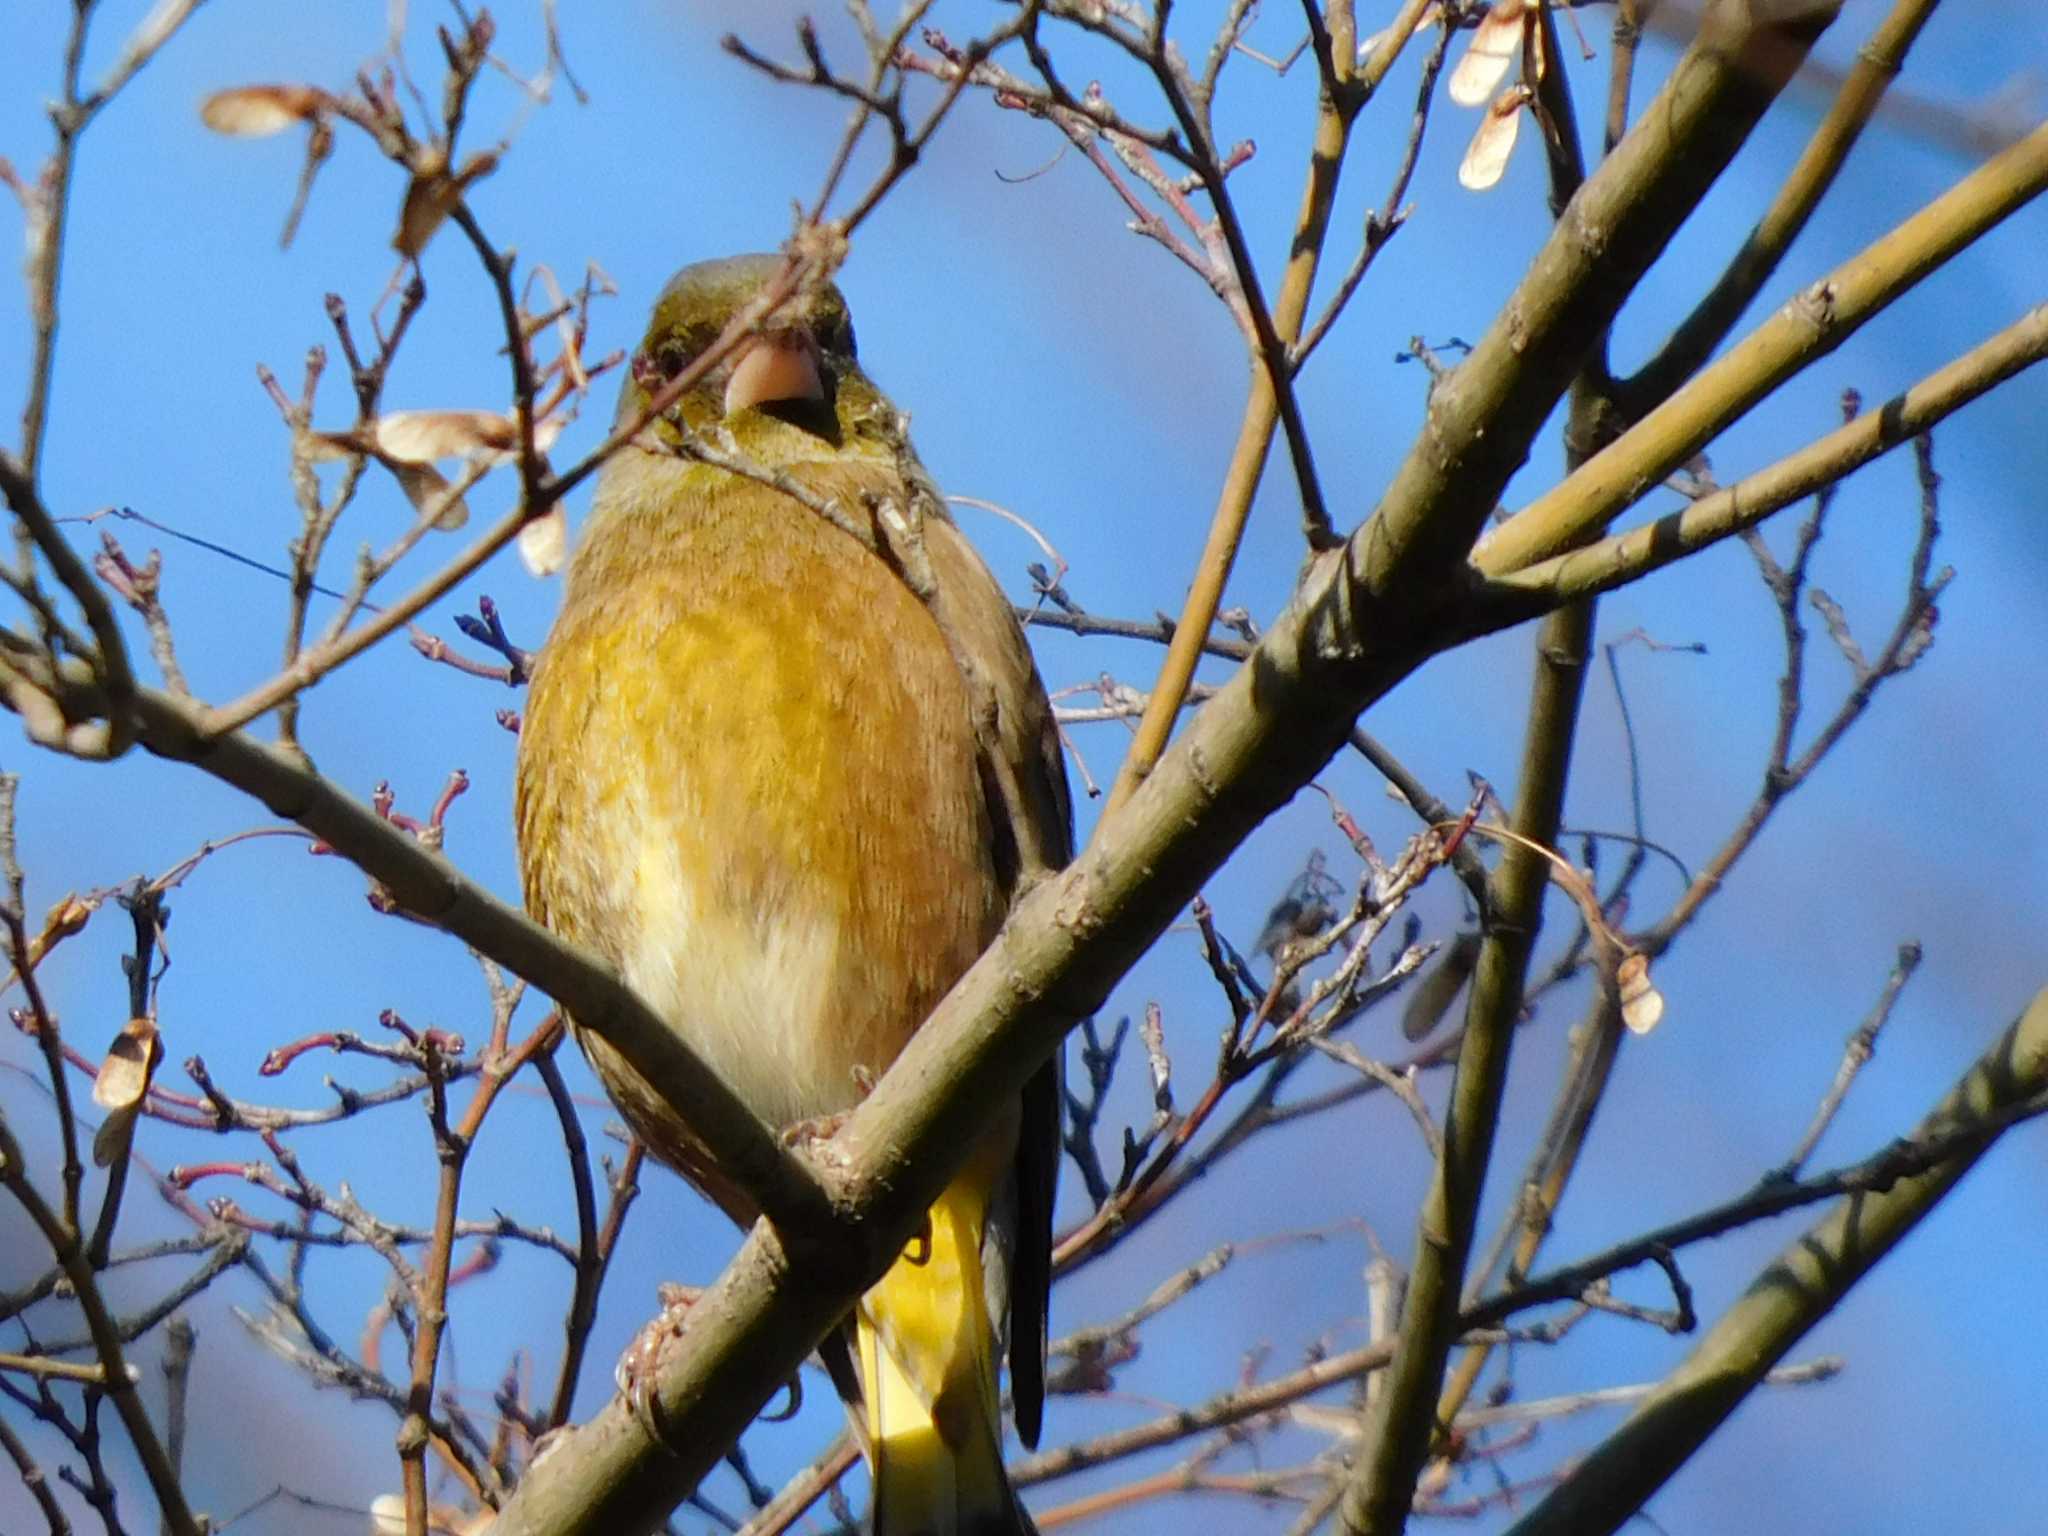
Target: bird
[(786, 764)]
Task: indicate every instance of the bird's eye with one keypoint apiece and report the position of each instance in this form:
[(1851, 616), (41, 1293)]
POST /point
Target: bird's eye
[(654, 368)]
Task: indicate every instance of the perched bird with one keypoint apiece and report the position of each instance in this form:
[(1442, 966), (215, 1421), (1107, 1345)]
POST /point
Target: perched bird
[(788, 780)]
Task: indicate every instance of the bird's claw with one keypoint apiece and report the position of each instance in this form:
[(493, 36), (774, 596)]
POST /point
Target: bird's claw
[(811, 1132), (808, 1132), (638, 1373)]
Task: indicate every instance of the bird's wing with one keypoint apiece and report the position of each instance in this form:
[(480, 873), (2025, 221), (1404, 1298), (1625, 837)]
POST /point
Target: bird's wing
[(1029, 804), (1031, 815)]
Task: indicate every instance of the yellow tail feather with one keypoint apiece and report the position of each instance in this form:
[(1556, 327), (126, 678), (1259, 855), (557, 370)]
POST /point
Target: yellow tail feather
[(927, 1360)]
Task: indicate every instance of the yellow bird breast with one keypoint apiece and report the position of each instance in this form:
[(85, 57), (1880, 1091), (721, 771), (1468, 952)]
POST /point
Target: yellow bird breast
[(747, 779)]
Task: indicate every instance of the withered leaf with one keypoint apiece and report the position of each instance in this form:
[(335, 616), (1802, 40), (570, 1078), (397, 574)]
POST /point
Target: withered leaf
[(544, 543), (122, 1083), (1487, 155), (432, 195), (1642, 1005), (257, 111), (1492, 51)]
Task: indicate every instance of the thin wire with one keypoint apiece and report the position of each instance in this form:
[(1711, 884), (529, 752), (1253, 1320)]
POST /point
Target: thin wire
[(130, 515)]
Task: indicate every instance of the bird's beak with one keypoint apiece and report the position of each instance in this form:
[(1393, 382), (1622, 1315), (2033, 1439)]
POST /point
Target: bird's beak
[(776, 369)]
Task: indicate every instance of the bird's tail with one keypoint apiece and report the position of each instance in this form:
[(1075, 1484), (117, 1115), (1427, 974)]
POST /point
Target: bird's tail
[(927, 1351)]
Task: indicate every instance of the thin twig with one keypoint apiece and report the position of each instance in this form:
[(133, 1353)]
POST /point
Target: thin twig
[(1862, 1043)]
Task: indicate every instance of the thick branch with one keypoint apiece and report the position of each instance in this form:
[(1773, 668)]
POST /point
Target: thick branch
[(110, 652), (1812, 325), (1267, 732), (1800, 1287), (1514, 595), (1483, 417), (1877, 66)]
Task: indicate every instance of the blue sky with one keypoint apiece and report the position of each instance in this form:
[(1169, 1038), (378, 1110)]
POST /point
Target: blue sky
[(1059, 366)]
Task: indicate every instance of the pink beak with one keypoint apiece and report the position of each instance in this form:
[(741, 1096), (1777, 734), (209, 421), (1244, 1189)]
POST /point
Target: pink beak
[(773, 369)]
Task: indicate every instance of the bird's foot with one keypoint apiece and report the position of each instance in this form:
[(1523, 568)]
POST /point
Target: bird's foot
[(811, 1133), (812, 1137), (806, 1133), (638, 1373)]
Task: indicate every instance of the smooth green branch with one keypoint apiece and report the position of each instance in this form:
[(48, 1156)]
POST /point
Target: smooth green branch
[(1513, 595), (1356, 629), (1483, 416), (1877, 65), (1799, 1288), (1815, 322), (1402, 1423), (1271, 401)]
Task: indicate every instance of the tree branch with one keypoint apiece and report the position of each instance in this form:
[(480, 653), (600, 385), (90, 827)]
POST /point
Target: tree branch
[(1799, 1288), (1403, 1425), (1812, 325), (1483, 416), (425, 884), (1513, 595), (1877, 66)]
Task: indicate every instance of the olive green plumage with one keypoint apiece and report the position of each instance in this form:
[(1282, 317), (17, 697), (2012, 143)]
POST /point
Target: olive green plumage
[(750, 777)]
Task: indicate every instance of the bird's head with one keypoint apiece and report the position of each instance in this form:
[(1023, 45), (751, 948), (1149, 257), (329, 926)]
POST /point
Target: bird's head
[(783, 393)]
